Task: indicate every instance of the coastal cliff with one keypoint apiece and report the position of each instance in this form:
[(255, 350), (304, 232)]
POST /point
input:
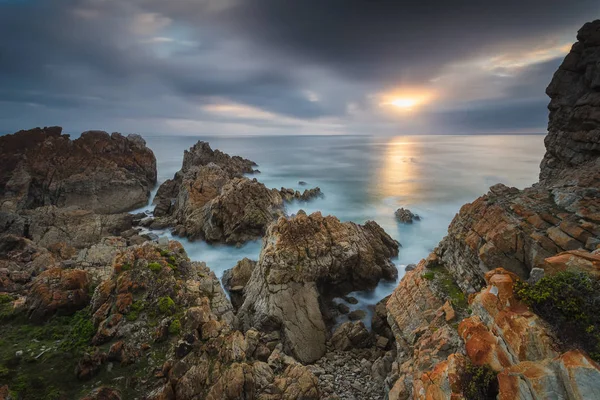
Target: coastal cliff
[(494, 244)]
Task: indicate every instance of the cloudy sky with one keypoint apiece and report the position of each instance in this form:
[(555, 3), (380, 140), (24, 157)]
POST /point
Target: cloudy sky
[(384, 67)]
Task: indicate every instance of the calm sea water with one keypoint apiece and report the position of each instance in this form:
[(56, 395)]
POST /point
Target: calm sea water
[(368, 178)]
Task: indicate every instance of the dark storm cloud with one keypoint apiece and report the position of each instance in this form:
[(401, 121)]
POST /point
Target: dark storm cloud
[(92, 61), (411, 40)]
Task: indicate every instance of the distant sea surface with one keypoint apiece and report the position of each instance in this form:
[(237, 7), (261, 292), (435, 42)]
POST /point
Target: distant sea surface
[(368, 178)]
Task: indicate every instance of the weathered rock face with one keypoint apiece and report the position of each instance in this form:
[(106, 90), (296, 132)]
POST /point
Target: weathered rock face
[(573, 139), (422, 329), (518, 230), (99, 172), (198, 156), (240, 212), (304, 258)]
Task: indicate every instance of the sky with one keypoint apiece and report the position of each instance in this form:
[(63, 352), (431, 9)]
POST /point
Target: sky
[(283, 67)]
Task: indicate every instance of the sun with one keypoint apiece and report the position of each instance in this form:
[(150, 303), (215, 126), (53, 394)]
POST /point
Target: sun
[(406, 99), (404, 102)]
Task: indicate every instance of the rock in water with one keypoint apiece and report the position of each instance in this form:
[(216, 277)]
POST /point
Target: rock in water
[(406, 216), (99, 172), (209, 198), (306, 257)]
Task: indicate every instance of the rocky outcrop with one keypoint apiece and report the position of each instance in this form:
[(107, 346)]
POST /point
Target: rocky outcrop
[(98, 172), (210, 199), (573, 139), (517, 229), (406, 216), (198, 156), (304, 258), (240, 212), (502, 333), (306, 195)]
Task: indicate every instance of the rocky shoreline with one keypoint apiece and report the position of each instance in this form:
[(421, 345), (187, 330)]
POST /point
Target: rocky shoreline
[(92, 307)]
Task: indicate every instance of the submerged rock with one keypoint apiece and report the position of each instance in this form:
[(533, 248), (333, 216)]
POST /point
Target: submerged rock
[(98, 172), (306, 257)]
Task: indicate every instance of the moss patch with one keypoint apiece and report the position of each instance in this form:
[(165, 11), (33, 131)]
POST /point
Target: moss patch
[(155, 267), (569, 302), (479, 382)]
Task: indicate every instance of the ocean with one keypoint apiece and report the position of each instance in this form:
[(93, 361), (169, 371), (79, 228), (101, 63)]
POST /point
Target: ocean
[(367, 178)]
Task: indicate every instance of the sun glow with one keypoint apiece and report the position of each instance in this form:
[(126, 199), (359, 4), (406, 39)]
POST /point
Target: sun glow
[(405, 100)]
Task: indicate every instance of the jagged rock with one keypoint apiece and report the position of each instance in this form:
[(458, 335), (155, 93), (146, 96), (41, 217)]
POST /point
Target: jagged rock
[(406, 216), (57, 289), (421, 331), (196, 157), (235, 280), (518, 230), (351, 335), (99, 172), (572, 375), (308, 194), (240, 213), (209, 198), (303, 258)]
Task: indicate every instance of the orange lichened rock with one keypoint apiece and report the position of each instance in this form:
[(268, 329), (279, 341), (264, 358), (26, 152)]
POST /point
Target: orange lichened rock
[(572, 375), (580, 260), (57, 289)]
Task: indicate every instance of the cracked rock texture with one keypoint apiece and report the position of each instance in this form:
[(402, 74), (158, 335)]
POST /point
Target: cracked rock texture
[(500, 238), (98, 172), (519, 229), (306, 257)]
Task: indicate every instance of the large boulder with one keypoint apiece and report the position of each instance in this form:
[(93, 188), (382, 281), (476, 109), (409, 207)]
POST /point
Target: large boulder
[(99, 172), (307, 257)]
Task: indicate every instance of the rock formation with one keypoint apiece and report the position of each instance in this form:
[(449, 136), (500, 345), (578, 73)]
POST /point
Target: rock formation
[(547, 228), (519, 229), (406, 216), (210, 199), (98, 172), (303, 259)]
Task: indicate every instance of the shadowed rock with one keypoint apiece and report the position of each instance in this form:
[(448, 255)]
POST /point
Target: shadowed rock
[(306, 257)]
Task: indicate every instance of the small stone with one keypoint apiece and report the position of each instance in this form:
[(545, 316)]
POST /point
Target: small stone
[(410, 267), (350, 299), (19, 353)]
